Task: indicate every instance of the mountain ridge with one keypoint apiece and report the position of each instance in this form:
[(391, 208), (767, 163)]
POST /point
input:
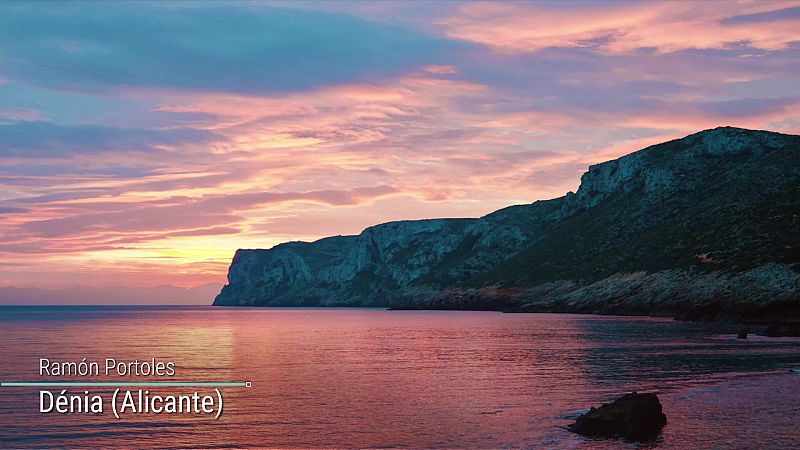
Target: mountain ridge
[(706, 208)]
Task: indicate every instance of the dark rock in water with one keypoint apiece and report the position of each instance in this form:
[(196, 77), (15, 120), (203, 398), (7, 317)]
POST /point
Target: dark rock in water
[(636, 417), (743, 333), (773, 330), (794, 330)]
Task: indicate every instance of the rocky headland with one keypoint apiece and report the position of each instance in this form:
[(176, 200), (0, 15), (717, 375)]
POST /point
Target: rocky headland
[(704, 227)]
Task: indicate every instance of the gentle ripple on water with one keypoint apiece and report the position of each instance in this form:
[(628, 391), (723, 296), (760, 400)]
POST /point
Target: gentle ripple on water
[(375, 378)]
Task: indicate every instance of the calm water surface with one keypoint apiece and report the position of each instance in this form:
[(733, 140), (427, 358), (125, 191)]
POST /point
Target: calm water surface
[(374, 378)]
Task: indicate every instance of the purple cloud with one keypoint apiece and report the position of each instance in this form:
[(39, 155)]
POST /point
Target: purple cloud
[(39, 139)]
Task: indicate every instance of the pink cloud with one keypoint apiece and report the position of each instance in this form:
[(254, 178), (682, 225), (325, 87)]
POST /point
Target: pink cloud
[(20, 113), (442, 70), (622, 28)]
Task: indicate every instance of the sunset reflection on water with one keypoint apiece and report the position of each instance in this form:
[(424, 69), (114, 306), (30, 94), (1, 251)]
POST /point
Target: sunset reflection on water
[(374, 378)]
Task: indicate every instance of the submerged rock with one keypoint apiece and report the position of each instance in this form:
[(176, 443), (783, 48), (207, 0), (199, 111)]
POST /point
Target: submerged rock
[(773, 330), (742, 333), (782, 329), (634, 416)]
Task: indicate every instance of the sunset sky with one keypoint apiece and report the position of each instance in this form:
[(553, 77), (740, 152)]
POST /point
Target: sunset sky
[(142, 144)]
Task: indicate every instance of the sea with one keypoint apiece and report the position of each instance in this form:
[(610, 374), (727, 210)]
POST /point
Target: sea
[(334, 378)]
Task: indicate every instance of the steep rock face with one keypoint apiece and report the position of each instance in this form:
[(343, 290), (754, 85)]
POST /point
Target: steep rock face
[(662, 168), (705, 210), (395, 261), (601, 181)]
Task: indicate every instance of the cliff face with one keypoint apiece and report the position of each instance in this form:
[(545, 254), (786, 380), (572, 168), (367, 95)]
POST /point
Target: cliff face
[(679, 228), (388, 263)]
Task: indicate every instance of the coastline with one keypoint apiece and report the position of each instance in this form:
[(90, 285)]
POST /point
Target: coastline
[(641, 235), (786, 324)]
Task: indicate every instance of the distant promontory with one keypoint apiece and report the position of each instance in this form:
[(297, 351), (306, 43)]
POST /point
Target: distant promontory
[(704, 227)]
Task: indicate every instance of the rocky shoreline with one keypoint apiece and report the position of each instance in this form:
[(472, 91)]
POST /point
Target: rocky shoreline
[(763, 294)]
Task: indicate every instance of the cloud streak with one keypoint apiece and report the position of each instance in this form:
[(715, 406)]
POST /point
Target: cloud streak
[(620, 28), (40, 139), (207, 47)]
